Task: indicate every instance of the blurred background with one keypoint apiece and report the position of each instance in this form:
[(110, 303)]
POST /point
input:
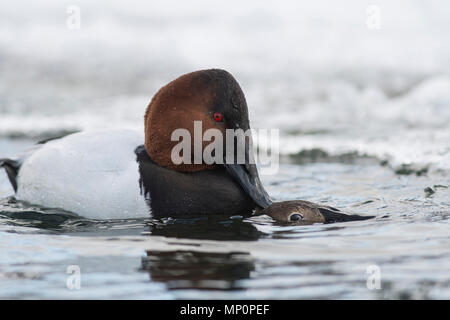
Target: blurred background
[(359, 90), (358, 77)]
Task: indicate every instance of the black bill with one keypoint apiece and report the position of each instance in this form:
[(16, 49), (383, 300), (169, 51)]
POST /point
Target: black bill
[(247, 176)]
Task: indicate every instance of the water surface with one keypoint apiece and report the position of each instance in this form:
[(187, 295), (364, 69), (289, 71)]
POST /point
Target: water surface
[(363, 118)]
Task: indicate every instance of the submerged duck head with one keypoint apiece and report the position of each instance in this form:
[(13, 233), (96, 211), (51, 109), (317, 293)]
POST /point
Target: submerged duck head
[(213, 99)]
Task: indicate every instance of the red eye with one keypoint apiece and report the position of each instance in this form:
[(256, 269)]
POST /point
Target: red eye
[(217, 116)]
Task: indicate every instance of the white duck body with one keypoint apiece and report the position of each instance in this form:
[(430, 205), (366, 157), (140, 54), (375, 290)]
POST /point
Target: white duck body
[(93, 174)]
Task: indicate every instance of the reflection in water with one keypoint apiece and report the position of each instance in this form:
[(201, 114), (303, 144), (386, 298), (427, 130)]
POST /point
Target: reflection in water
[(211, 228), (198, 270)]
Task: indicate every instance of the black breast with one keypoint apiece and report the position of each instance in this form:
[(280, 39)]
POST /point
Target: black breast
[(173, 193)]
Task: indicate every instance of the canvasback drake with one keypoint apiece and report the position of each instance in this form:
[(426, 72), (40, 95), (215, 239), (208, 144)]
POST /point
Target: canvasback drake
[(123, 173), (116, 174)]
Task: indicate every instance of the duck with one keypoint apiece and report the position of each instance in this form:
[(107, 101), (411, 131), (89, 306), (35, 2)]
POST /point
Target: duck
[(124, 173)]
